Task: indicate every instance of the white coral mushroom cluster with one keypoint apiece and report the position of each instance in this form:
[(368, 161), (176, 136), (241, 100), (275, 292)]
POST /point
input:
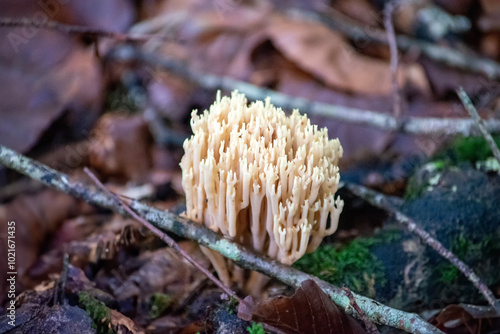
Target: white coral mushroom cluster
[(262, 178)]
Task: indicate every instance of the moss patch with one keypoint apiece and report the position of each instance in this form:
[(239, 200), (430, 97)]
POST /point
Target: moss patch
[(416, 185), (476, 254), (232, 306), (256, 329), (159, 303), (472, 149), (98, 312), (353, 265)]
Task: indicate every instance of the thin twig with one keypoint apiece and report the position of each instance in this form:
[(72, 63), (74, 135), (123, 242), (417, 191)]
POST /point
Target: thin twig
[(381, 201), (369, 326), (163, 236), (7, 22), (391, 38), (61, 282), (186, 228), (471, 109), (385, 121)]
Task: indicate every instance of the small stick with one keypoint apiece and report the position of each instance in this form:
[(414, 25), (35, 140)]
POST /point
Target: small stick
[(369, 326), (61, 282), (471, 109), (163, 236), (381, 201), (391, 38), (76, 29)]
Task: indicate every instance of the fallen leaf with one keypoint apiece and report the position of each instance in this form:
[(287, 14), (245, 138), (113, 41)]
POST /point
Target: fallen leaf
[(121, 147), (309, 310), (43, 79), (36, 218), (48, 75), (161, 270), (123, 325), (445, 80), (87, 240), (325, 54), (466, 319)]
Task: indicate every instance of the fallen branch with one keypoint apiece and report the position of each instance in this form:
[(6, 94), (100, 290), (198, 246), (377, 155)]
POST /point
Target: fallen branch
[(381, 201), (479, 122), (384, 121), (167, 221)]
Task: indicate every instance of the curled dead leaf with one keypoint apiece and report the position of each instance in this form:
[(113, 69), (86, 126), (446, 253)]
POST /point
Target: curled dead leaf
[(309, 310)]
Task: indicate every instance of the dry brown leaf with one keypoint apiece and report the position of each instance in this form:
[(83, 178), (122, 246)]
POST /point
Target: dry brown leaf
[(123, 325), (161, 270), (36, 217), (112, 15), (445, 80), (42, 78), (490, 7), (467, 319), (43, 74), (489, 18), (360, 11), (325, 54), (121, 147), (309, 310), (47, 75)]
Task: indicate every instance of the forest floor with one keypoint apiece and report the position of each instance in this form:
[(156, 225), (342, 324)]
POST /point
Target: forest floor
[(104, 92)]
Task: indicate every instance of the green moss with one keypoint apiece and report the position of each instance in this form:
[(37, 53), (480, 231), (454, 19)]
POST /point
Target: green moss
[(471, 253), (416, 187), (353, 265), (98, 312), (461, 246), (449, 273), (159, 303), (413, 189), (256, 329), (232, 306), (472, 149), (440, 164)]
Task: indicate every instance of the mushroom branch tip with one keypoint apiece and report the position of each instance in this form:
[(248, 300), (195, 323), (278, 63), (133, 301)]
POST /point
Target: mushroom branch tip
[(262, 178)]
